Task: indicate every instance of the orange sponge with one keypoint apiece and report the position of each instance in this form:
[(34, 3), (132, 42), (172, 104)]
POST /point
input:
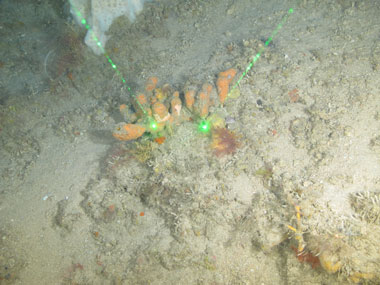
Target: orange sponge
[(204, 100), (142, 105), (151, 83), (161, 115), (127, 132), (223, 83), (160, 112), (189, 98), (122, 107), (142, 99)]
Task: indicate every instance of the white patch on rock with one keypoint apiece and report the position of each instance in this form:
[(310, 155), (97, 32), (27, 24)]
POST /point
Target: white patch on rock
[(100, 14)]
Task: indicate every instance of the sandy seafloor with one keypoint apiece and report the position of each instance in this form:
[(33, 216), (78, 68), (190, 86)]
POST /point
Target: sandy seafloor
[(79, 207)]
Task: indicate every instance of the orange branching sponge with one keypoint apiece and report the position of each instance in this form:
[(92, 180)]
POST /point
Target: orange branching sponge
[(155, 102), (122, 107), (127, 132), (207, 87), (161, 115), (223, 83), (204, 100), (142, 99), (190, 99), (203, 104), (160, 112), (224, 142), (141, 104), (151, 83)]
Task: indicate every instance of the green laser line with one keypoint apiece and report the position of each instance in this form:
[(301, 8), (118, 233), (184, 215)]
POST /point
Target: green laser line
[(113, 65), (152, 123), (256, 57)]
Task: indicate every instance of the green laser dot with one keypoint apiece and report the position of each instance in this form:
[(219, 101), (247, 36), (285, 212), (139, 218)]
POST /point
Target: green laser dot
[(204, 126), (99, 44)]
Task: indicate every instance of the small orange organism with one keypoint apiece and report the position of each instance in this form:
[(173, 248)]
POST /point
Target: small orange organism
[(293, 95), (160, 140), (122, 107)]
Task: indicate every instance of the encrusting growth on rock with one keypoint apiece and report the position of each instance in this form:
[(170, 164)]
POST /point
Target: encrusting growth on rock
[(224, 142)]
